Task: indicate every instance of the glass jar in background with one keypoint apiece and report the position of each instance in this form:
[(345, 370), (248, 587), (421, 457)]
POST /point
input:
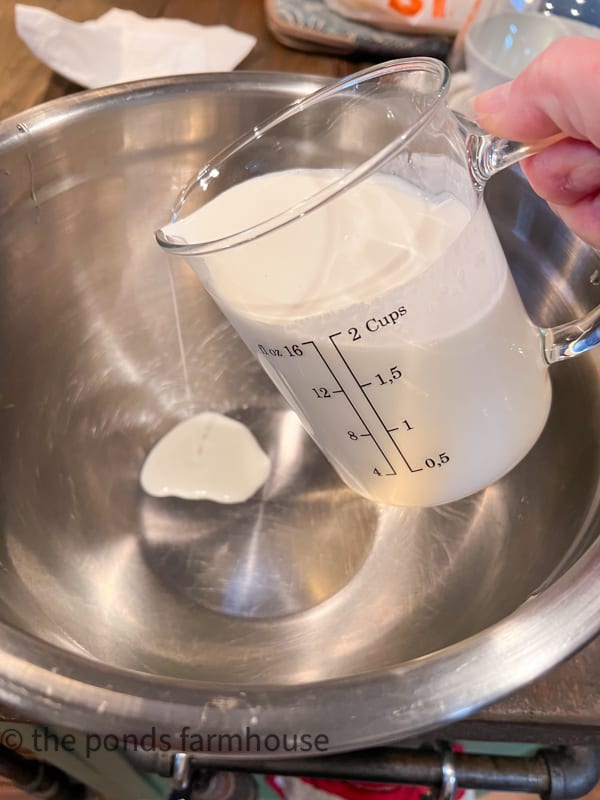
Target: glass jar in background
[(501, 37)]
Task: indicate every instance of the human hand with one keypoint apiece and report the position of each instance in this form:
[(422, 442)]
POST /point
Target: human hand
[(559, 92)]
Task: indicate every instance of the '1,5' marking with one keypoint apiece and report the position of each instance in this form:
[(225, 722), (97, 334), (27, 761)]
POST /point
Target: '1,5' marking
[(356, 411), (394, 372)]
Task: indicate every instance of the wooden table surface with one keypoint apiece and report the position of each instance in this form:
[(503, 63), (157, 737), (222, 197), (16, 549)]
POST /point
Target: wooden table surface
[(565, 705)]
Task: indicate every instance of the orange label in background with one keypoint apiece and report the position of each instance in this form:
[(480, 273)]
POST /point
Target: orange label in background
[(411, 7), (407, 7)]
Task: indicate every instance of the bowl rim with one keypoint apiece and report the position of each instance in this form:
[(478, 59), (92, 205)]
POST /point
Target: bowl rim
[(72, 690)]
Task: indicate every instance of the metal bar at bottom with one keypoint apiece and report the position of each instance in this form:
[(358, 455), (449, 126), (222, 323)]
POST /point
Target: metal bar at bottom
[(414, 767), (560, 774)]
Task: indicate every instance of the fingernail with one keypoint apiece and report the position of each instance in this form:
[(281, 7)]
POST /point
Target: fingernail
[(493, 101), (584, 178)]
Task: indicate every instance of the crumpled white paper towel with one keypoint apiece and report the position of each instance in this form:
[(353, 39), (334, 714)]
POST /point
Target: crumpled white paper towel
[(122, 46)]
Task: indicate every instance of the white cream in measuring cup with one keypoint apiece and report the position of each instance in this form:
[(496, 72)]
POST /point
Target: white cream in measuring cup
[(390, 323)]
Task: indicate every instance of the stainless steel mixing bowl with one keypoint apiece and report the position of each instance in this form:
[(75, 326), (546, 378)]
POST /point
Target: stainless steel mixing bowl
[(306, 608)]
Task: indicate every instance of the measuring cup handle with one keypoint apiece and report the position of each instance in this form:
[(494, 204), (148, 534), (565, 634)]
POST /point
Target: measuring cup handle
[(489, 154), (572, 338)]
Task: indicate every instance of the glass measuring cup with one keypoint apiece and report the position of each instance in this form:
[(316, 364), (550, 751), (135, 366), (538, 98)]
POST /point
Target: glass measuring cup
[(347, 241)]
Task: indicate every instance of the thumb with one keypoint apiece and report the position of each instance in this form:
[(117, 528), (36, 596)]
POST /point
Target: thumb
[(557, 93)]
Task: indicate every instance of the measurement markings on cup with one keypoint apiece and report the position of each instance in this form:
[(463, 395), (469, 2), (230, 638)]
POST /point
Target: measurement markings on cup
[(363, 386), (340, 390)]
